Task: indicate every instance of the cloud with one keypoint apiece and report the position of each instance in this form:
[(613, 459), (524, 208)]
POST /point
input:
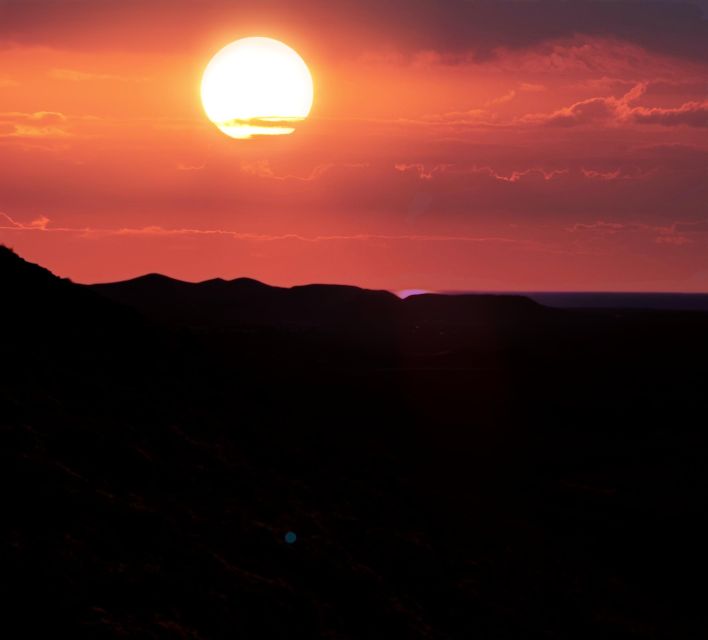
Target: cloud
[(471, 117), (74, 75), (41, 225), (674, 234), (616, 111), (263, 169), (190, 167), (422, 173), (39, 118), (507, 97), (581, 113), (477, 28), (516, 176), (604, 226), (601, 175), (675, 240), (691, 114), (590, 111), (530, 87), (38, 124), (592, 56), (38, 224), (419, 169), (698, 226)]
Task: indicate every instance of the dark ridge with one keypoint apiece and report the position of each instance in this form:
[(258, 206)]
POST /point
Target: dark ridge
[(153, 277), (249, 282), (219, 303), (62, 329), (32, 294), (626, 300), (17, 270), (471, 308)]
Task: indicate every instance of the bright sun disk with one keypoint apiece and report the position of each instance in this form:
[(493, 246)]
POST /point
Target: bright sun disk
[(256, 87)]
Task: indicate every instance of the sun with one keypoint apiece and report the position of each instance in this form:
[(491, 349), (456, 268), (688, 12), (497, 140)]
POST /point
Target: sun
[(257, 87)]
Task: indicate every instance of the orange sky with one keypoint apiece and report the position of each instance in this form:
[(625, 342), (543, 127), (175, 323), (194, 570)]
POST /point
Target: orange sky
[(442, 152)]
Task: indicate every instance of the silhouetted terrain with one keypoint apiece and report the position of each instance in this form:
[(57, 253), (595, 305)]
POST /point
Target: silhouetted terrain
[(220, 303), (643, 301), (453, 466)]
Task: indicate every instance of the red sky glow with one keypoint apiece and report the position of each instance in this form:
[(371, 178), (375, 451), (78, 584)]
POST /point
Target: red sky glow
[(451, 146)]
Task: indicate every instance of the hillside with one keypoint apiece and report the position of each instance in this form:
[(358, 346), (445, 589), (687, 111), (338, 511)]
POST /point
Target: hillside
[(452, 467)]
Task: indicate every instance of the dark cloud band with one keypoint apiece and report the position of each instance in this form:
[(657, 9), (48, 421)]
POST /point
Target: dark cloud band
[(452, 27)]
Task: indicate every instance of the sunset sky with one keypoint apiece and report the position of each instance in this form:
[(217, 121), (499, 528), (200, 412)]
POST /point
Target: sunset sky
[(452, 145)]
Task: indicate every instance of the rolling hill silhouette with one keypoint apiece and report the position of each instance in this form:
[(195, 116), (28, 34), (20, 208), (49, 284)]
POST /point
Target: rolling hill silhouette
[(243, 301), (452, 466), (33, 297), (59, 337)]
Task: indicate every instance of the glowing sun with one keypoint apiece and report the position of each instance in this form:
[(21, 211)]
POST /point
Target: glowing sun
[(256, 87)]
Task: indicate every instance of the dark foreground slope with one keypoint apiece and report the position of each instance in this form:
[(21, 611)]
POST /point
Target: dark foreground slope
[(453, 467)]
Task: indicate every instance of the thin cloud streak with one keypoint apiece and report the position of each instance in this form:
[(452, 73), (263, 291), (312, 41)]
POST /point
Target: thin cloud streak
[(41, 225)]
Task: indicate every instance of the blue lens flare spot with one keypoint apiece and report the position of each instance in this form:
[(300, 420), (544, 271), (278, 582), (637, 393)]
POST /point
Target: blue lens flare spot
[(290, 537)]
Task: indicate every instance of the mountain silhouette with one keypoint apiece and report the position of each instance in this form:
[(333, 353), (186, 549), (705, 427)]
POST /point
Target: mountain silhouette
[(222, 303), (208, 460), (34, 295)]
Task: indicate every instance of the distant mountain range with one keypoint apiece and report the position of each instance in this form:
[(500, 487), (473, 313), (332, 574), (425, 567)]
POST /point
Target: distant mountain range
[(244, 301)]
